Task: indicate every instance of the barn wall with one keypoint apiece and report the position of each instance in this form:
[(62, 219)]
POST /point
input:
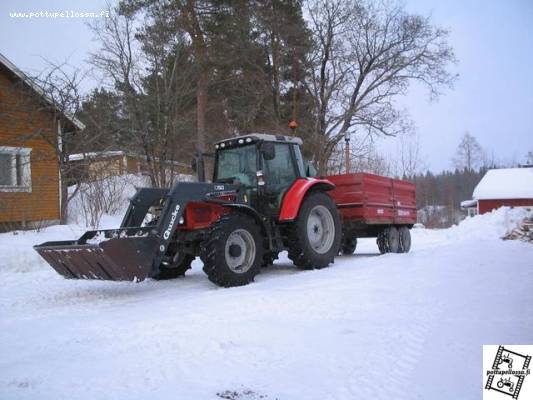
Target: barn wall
[(20, 118), (489, 205)]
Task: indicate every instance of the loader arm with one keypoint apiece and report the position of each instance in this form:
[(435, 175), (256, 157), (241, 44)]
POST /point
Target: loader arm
[(133, 251)]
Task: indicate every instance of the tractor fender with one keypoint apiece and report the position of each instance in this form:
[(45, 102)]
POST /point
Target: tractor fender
[(292, 200), (252, 213)]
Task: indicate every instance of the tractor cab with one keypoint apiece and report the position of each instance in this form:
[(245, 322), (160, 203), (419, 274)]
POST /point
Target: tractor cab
[(266, 165)]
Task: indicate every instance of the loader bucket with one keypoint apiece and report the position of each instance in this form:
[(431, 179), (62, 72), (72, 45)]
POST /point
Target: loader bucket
[(118, 257)]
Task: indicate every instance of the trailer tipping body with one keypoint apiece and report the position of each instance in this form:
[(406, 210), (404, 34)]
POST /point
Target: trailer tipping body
[(368, 199)]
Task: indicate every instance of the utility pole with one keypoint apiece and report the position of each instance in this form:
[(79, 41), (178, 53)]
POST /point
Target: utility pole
[(347, 152)]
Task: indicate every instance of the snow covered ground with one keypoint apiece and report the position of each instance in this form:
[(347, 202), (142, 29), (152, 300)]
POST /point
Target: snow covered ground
[(398, 326)]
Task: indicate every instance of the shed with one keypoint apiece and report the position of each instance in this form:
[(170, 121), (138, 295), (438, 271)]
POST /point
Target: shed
[(91, 166), (511, 187)]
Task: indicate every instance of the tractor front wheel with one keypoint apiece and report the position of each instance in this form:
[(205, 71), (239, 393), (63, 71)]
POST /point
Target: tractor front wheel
[(316, 234), (233, 252), (180, 263)]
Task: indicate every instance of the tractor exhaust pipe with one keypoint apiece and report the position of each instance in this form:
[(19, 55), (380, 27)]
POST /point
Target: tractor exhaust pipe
[(198, 164)]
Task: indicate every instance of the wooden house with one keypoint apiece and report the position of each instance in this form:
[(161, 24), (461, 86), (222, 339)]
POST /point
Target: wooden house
[(30, 125)]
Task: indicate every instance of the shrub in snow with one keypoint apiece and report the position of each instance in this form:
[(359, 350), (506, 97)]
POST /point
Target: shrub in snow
[(105, 196), (93, 202)]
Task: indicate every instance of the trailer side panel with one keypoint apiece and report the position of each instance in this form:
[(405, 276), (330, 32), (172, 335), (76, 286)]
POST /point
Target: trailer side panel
[(374, 200)]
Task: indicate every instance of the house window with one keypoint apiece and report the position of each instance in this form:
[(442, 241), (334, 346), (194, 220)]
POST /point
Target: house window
[(15, 169)]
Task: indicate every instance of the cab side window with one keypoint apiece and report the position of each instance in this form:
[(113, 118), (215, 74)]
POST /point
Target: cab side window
[(299, 159), (280, 171)]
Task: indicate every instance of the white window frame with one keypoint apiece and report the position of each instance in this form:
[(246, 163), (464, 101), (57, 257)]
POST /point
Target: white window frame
[(25, 153)]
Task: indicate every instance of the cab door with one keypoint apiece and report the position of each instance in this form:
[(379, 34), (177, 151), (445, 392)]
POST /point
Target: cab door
[(279, 174)]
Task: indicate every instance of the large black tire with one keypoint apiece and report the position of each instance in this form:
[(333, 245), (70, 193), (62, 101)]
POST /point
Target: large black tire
[(302, 251), (180, 265), (349, 245), (405, 239), (388, 240), (233, 251)]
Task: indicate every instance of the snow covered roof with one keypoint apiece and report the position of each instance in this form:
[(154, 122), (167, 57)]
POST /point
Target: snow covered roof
[(100, 155), (505, 183), (468, 203), (93, 155)]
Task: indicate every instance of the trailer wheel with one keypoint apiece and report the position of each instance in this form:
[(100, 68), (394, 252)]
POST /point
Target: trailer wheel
[(388, 240), (315, 236), (405, 239), (180, 265), (349, 245), (233, 251)]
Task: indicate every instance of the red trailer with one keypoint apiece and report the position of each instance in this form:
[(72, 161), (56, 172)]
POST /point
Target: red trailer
[(375, 206)]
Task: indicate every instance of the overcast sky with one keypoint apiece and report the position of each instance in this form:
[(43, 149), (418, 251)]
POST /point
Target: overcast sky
[(493, 41)]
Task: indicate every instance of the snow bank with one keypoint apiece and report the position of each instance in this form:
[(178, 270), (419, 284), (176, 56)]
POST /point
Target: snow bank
[(16, 248), (493, 225), (489, 226)]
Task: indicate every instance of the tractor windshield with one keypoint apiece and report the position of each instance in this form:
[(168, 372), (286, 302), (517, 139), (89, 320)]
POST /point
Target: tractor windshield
[(238, 163)]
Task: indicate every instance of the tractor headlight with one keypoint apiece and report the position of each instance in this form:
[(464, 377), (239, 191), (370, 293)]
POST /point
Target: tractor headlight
[(241, 141), (248, 140), (223, 145)]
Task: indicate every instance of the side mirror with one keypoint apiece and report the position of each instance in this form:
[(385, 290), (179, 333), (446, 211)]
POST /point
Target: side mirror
[(194, 165), (310, 170), (268, 150)]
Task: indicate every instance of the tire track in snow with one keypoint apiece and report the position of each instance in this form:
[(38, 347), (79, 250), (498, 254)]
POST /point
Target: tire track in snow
[(417, 322), (407, 356)]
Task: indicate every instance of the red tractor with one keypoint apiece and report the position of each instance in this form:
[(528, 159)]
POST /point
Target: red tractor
[(263, 200)]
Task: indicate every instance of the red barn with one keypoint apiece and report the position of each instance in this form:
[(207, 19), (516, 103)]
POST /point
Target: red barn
[(512, 187)]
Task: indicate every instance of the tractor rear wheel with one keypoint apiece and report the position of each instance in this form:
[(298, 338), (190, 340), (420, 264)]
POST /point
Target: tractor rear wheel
[(349, 245), (405, 239), (315, 236), (233, 251), (177, 267)]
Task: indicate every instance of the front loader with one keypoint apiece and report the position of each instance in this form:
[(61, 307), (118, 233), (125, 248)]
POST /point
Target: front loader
[(262, 201)]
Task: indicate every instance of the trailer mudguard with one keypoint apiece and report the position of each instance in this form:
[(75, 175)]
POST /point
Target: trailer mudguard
[(292, 200)]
